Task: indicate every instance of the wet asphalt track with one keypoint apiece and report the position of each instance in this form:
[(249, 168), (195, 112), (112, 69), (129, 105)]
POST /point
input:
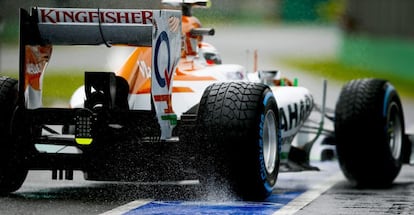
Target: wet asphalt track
[(324, 192), (40, 195)]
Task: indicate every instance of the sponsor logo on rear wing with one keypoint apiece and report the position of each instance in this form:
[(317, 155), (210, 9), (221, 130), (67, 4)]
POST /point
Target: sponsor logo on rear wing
[(70, 15), (90, 26)]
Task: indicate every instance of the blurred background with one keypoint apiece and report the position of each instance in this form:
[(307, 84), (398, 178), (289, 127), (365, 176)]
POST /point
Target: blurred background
[(375, 37)]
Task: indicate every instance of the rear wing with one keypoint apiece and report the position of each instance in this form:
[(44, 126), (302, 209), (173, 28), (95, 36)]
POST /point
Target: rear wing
[(86, 26), (45, 27)]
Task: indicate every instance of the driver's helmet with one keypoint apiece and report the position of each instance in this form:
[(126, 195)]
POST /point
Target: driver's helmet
[(210, 54)]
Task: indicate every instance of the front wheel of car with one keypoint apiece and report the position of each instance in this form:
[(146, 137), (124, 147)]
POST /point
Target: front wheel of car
[(240, 143), (369, 129), (12, 172)]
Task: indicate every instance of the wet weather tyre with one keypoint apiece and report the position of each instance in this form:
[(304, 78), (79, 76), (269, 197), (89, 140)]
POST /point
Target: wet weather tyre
[(241, 142), (369, 129), (12, 172)]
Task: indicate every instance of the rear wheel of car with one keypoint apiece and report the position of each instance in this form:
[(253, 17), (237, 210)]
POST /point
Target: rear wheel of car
[(240, 143), (369, 129), (12, 172)]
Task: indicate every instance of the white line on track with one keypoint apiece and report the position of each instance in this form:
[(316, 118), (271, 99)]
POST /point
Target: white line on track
[(127, 207), (310, 195), (138, 203)]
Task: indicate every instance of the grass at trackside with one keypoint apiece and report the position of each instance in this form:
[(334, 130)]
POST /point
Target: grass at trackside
[(60, 85), (57, 85), (335, 70)]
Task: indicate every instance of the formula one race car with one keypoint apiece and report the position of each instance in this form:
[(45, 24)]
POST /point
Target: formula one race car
[(173, 111)]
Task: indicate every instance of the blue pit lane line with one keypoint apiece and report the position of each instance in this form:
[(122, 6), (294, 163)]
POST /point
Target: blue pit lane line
[(272, 204), (280, 203)]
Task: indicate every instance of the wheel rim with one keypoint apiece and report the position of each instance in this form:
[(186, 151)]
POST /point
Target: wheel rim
[(270, 141), (394, 131)]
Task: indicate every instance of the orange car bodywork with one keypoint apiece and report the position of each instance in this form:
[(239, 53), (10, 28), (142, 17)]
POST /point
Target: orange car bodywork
[(136, 69)]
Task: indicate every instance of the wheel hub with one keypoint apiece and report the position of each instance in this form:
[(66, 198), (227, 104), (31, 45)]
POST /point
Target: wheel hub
[(394, 131), (270, 151)]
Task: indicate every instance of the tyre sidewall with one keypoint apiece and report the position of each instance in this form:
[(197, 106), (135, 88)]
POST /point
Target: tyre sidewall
[(268, 179), (390, 98)]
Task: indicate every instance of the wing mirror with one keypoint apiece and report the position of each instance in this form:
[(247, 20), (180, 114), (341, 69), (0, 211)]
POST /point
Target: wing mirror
[(267, 76)]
